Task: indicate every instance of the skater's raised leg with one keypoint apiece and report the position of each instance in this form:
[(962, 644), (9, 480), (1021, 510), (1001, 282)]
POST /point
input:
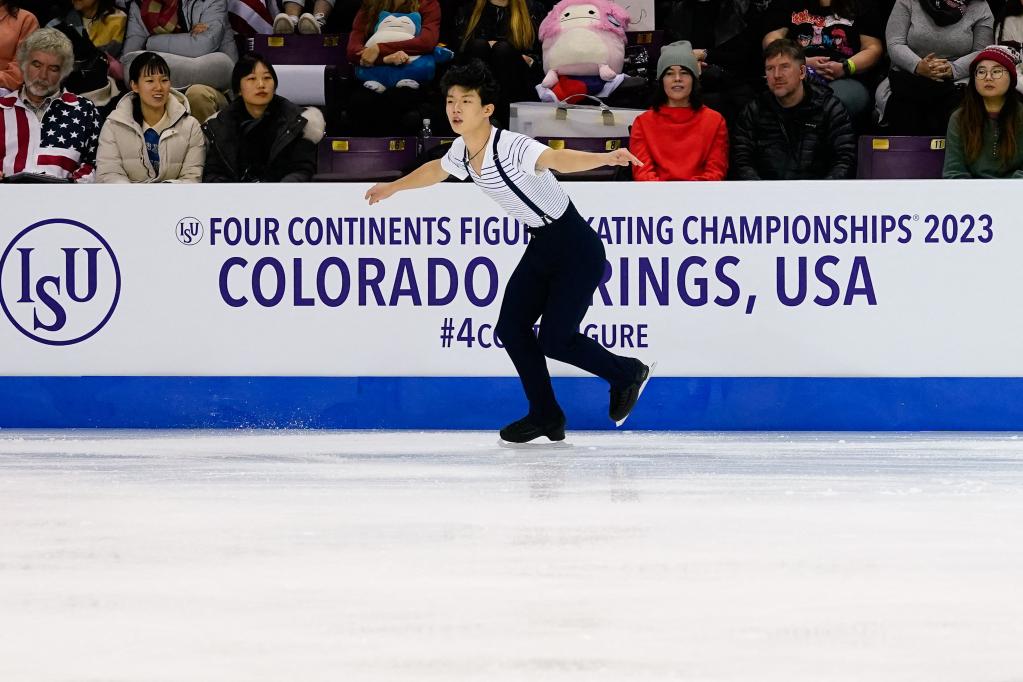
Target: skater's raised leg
[(577, 255)]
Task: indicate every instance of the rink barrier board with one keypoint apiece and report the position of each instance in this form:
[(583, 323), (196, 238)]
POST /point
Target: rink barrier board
[(907, 298), (669, 403)]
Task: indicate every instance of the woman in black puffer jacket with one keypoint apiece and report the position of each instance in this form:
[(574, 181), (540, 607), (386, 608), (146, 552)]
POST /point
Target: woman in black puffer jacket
[(261, 137)]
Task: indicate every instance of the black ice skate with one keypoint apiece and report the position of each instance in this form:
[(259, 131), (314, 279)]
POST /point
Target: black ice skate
[(623, 398), (525, 430)]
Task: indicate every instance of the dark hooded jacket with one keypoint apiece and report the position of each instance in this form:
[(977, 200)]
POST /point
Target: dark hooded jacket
[(278, 147), (812, 140)]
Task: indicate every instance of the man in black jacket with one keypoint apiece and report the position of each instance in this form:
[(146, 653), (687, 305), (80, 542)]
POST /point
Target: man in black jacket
[(796, 130)]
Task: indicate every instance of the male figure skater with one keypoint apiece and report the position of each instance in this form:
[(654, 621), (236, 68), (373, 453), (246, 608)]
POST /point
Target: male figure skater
[(563, 262)]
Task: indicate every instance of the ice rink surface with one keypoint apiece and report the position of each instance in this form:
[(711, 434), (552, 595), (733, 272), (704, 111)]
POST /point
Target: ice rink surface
[(139, 556)]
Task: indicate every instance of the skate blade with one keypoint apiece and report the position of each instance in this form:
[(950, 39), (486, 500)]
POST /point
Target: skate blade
[(653, 366), (534, 445)]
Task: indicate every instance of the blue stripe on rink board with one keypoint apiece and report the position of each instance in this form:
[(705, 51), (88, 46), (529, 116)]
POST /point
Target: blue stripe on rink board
[(669, 403)]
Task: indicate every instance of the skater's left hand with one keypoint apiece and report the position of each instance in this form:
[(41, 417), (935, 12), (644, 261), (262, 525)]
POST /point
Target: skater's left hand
[(622, 157), (379, 192)]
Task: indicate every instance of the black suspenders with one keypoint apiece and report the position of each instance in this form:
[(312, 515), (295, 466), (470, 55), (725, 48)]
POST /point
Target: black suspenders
[(511, 185)]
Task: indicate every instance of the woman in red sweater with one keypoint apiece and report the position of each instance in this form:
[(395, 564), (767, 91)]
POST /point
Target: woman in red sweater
[(679, 138)]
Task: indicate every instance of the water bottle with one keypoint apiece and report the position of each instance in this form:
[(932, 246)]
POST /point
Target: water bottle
[(424, 134)]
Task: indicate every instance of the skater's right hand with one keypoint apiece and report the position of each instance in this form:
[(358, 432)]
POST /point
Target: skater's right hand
[(379, 192)]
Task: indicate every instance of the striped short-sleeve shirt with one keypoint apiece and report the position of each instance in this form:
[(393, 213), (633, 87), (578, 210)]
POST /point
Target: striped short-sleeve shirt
[(518, 155)]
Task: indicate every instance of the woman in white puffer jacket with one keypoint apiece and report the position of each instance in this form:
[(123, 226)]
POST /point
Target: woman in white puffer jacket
[(150, 136)]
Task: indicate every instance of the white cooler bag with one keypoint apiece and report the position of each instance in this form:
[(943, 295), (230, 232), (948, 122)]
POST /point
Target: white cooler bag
[(564, 119)]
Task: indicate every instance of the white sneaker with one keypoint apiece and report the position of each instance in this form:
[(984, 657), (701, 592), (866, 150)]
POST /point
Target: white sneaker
[(307, 24), (407, 83), (375, 86), (284, 23)]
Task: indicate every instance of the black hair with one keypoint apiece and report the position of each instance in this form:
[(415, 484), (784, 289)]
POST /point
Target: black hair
[(660, 98), (473, 76), (787, 48), (245, 65), (146, 64)]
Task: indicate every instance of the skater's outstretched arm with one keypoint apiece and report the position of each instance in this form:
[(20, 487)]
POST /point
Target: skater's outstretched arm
[(428, 174), (573, 161)]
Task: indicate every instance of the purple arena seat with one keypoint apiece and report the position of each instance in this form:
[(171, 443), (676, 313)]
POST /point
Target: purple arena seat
[(364, 159), (588, 144), (900, 158), (297, 49), (431, 143)]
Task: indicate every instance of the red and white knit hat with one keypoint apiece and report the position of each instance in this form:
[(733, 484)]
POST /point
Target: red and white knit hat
[(1006, 56)]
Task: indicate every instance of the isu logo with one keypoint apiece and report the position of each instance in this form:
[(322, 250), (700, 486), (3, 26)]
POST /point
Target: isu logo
[(189, 231), (59, 282)]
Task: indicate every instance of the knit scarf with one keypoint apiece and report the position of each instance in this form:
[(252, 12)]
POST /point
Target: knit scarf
[(160, 16), (945, 12)]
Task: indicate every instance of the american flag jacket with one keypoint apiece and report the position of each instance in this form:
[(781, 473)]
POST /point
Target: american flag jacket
[(62, 145)]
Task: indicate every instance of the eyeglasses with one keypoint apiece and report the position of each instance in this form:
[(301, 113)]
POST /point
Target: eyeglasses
[(993, 74)]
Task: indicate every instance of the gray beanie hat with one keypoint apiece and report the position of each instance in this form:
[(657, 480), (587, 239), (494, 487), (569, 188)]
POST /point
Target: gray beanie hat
[(677, 54)]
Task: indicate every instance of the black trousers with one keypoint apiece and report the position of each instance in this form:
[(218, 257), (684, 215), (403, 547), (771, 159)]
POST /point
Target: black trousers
[(556, 277), (920, 106)]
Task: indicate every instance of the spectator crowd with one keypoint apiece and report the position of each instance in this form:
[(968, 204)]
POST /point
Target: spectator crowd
[(126, 91)]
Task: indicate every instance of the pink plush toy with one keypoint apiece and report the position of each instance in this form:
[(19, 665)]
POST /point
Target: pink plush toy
[(583, 38)]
